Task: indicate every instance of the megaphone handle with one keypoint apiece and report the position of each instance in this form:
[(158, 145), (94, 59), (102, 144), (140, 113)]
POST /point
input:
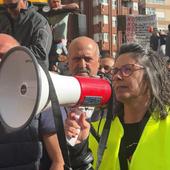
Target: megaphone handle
[(72, 141)]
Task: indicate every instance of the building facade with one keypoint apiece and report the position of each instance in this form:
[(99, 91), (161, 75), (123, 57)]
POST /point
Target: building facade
[(111, 22), (160, 8), (102, 21)]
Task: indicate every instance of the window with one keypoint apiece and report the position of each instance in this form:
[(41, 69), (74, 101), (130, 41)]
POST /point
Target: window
[(160, 15), (95, 19), (100, 18), (114, 54), (103, 2), (135, 6), (95, 3), (104, 37), (114, 4), (156, 1), (105, 19), (114, 39), (101, 37), (114, 21), (96, 37), (150, 11)]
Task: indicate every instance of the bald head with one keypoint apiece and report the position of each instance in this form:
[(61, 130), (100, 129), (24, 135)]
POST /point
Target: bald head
[(84, 42), (83, 57), (6, 43)]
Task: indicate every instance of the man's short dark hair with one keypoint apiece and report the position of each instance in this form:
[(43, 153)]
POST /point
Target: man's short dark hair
[(104, 54)]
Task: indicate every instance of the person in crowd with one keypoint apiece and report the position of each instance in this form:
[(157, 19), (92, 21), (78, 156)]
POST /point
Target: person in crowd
[(83, 60), (22, 150), (83, 57), (28, 27), (155, 40), (168, 42), (139, 131), (56, 4), (162, 35), (106, 64), (57, 17)]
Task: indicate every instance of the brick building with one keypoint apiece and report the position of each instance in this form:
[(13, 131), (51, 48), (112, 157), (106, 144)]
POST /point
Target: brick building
[(161, 8), (101, 16)]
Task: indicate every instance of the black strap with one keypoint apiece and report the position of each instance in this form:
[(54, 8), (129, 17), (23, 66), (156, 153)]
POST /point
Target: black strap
[(57, 118), (105, 132), (122, 157), (94, 133)]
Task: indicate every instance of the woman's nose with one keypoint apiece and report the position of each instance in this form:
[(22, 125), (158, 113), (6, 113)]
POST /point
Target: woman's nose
[(117, 76)]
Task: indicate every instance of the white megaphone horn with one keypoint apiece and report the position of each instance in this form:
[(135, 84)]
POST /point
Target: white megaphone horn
[(24, 89)]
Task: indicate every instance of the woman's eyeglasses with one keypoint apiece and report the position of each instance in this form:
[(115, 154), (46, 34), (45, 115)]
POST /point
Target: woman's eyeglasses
[(126, 70)]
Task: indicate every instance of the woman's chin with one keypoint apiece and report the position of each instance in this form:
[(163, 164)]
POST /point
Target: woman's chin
[(122, 97)]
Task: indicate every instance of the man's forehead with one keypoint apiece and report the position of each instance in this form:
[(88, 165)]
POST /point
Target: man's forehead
[(84, 47)]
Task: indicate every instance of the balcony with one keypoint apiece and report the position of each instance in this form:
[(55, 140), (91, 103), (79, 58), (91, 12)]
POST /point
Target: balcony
[(105, 46), (125, 10), (133, 12), (101, 28)]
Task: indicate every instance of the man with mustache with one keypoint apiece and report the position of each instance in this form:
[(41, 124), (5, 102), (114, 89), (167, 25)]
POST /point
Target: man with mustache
[(83, 57), (83, 60)]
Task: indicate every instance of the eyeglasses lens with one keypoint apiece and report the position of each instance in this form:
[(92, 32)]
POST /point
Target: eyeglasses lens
[(126, 70)]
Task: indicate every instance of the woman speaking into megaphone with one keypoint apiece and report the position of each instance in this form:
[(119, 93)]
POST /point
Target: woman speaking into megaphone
[(138, 131)]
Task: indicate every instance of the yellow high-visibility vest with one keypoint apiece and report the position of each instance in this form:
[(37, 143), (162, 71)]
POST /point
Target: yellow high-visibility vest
[(152, 151)]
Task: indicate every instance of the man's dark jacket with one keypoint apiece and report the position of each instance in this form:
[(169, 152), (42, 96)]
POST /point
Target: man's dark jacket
[(168, 44), (31, 29)]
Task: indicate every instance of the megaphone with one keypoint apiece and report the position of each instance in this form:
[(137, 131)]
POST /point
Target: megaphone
[(24, 89)]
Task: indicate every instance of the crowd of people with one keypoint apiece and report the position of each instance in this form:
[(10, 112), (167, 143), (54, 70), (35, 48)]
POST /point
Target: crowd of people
[(160, 41), (131, 134)]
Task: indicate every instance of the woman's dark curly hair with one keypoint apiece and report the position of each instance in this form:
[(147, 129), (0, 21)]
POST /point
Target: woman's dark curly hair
[(156, 76)]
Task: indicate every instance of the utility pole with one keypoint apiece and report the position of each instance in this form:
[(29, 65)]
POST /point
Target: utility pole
[(119, 33), (110, 28)]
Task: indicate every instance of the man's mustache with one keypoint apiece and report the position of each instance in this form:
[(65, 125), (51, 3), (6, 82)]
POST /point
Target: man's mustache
[(82, 70)]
